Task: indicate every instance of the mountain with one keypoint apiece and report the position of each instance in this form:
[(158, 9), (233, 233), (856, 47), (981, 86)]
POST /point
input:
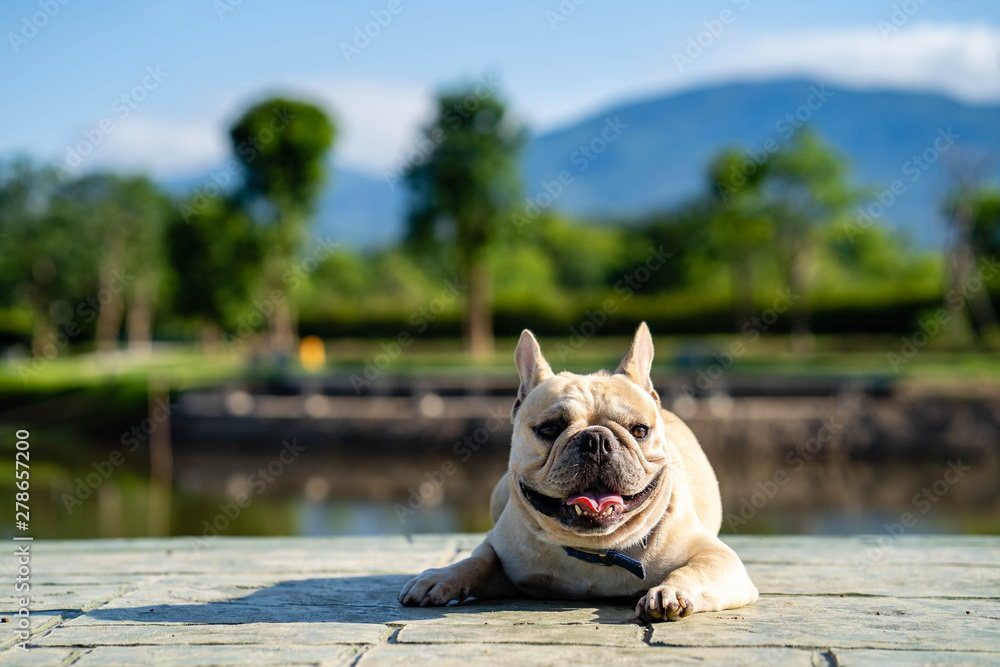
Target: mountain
[(649, 154), (664, 144), (361, 210)]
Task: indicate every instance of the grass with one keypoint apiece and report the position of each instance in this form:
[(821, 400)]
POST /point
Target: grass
[(184, 366), (79, 405)]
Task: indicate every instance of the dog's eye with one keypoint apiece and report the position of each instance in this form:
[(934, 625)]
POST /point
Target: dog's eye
[(639, 431), (549, 430)]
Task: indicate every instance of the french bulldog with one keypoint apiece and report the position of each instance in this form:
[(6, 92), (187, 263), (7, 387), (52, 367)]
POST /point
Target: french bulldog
[(607, 495)]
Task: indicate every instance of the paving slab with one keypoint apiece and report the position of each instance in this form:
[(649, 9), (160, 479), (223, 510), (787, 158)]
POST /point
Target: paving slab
[(865, 600)]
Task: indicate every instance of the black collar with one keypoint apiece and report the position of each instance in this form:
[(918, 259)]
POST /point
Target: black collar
[(609, 559)]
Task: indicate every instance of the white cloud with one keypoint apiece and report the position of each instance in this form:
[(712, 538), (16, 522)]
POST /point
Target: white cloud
[(957, 60), (164, 147), (379, 120), (377, 123)]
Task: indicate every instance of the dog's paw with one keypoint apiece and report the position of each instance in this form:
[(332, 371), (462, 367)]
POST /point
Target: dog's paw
[(664, 603), (433, 588)]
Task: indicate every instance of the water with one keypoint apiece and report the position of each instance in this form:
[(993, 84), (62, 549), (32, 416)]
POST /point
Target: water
[(325, 494)]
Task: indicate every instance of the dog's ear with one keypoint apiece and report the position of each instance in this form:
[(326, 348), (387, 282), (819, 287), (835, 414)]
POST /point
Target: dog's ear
[(638, 361), (531, 368)]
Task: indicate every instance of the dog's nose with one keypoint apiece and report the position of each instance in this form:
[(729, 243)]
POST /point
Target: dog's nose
[(596, 442)]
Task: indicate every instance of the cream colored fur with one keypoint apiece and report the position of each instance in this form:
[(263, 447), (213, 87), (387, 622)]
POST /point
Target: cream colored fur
[(673, 531)]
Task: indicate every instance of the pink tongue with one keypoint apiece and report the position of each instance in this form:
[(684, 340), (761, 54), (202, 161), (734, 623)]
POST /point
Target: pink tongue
[(596, 501)]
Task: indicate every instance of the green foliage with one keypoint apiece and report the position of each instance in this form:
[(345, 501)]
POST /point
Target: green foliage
[(283, 143), (740, 224), (986, 222), (776, 213), (390, 276), (467, 187), (747, 235), (45, 256), (527, 273), (684, 233), (804, 189), (583, 257), (216, 256), (463, 193), (877, 257), (125, 217), (86, 249)]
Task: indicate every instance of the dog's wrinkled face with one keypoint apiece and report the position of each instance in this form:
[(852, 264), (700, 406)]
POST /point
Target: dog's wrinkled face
[(588, 455)]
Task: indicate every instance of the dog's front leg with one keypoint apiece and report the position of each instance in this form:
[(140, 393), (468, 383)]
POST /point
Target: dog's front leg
[(713, 579), (480, 576)]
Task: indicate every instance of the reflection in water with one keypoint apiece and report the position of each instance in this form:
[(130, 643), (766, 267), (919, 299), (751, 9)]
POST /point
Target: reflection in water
[(830, 463), (366, 517), (366, 496)]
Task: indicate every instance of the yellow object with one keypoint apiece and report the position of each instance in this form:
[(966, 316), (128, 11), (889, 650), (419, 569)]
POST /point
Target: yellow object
[(312, 353)]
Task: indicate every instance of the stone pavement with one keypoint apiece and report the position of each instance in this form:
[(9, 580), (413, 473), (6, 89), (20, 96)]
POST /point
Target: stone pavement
[(298, 601)]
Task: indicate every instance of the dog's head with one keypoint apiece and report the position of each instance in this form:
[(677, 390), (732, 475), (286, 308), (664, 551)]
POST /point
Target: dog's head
[(589, 457)]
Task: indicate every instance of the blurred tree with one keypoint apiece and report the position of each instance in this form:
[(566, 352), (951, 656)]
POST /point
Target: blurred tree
[(463, 193), (805, 190), (346, 274), (880, 265), (124, 217), (986, 244), (684, 233), (42, 260), (986, 222), (740, 229), (283, 144), (970, 211), (385, 286), (528, 275), (583, 257), (88, 253), (216, 258)]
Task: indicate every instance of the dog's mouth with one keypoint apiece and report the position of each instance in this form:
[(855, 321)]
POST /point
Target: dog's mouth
[(592, 507)]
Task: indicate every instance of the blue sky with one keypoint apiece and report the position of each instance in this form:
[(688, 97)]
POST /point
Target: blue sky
[(62, 79)]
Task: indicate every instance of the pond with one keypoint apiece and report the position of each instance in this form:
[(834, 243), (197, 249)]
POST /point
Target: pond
[(320, 494), (424, 456)]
